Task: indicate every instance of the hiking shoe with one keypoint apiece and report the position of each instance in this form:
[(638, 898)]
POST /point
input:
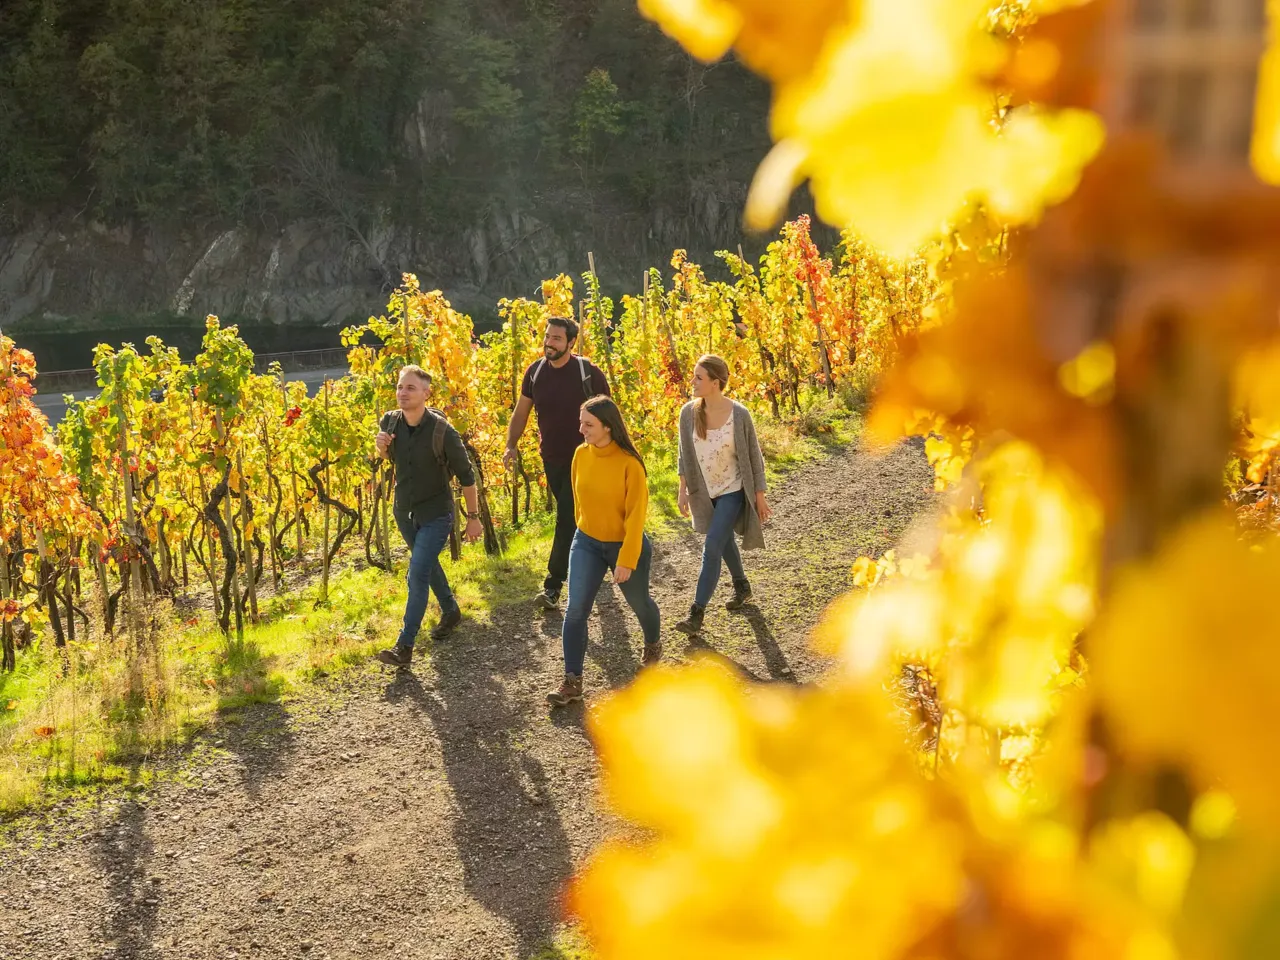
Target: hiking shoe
[(446, 625), (692, 624), (569, 691), (547, 600), (396, 656), (741, 595), (652, 653)]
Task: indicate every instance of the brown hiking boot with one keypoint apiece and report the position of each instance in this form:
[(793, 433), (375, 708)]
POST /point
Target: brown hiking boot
[(396, 656), (447, 624), (652, 653), (569, 691)]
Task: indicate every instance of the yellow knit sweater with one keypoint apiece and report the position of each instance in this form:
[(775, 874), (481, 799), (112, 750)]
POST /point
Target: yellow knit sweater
[(611, 498)]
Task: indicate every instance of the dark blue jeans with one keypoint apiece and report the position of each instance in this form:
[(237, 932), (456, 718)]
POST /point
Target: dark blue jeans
[(589, 558), (425, 542), (721, 545)]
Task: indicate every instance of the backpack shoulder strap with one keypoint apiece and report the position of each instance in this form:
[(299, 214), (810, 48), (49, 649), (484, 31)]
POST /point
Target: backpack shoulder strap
[(391, 421), (536, 371), (441, 425), (586, 376)]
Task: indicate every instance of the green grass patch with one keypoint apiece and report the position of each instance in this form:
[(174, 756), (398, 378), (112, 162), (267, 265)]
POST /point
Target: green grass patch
[(97, 714), (569, 943)]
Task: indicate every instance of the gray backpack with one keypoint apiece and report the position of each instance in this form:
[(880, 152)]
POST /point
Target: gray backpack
[(582, 370)]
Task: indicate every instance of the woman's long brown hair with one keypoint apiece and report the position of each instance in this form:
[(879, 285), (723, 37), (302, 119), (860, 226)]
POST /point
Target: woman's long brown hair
[(607, 412), (718, 371)]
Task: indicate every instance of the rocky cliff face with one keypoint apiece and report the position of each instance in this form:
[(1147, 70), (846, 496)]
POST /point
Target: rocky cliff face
[(71, 273)]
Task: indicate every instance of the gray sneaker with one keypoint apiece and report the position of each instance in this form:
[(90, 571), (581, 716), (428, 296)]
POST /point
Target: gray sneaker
[(547, 600)]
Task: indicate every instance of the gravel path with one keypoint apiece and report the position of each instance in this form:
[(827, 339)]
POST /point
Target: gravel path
[(431, 814)]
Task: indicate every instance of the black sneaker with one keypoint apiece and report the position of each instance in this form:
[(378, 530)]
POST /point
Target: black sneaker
[(396, 656), (692, 624), (446, 625), (741, 595), (547, 600)]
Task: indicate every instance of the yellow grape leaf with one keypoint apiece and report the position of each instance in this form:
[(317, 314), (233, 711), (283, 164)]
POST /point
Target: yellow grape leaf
[(234, 480), (778, 40), (11, 705), (894, 128), (1265, 150), (1176, 660)]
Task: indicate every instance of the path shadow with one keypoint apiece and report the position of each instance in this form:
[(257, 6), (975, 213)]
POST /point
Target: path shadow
[(262, 742), (122, 852), (507, 828), (614, 653), (255, 726), (775, 661)]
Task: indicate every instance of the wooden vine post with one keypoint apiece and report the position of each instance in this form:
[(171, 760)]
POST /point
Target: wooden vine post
[(246, 543), (324, 547), (236, 600), (131, 543)]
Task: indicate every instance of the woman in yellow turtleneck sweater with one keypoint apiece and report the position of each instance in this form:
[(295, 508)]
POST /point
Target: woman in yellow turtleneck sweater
[(610, 499)]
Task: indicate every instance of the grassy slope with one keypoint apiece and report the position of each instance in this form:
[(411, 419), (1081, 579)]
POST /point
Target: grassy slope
[(59, 738)]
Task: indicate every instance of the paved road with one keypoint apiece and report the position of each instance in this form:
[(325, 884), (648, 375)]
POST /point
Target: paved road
[(54, 408)]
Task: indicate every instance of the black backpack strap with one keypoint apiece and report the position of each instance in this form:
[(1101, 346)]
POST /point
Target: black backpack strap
[(391, 421), (437, 436), (586, 377)]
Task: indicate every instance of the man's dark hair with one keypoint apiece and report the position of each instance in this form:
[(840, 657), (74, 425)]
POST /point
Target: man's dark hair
[(566, 324)]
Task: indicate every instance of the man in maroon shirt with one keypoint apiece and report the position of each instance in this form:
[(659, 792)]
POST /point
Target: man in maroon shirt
[(556, 386)]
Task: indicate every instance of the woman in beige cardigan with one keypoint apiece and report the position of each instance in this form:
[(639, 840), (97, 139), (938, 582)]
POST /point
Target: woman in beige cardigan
[(722, 484)]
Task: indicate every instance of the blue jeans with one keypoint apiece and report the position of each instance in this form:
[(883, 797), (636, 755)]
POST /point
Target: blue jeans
[(425, 542), (721, 545), (589, 558)]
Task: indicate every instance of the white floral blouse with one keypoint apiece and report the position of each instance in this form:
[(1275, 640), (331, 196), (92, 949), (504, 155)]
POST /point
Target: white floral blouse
[(718, 458)]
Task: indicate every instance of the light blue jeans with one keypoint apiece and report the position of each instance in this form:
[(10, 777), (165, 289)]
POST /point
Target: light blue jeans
[(589, 558), (721, 545), (425, 542)]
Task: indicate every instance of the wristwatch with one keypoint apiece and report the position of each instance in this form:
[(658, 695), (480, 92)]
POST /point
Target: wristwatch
[(473, 516)]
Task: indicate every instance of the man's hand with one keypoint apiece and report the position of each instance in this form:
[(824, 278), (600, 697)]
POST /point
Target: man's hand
[(621, 574), (509, 458), (474, 530), (383, 442)]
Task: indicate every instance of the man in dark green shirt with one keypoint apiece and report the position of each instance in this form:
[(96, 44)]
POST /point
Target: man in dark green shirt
[(424, 504)]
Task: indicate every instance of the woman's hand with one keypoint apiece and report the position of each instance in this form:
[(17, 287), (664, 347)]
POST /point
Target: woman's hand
[(682, 502), (763, 510), (621, 574)]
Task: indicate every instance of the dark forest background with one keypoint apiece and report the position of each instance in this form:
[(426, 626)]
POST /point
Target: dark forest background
[(240, 110)]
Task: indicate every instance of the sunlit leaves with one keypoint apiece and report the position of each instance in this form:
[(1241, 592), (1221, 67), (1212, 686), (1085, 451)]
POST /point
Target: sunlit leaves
[(1173, 695), (885, 106)]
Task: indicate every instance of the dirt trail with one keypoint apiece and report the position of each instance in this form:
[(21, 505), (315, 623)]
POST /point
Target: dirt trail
[(428, 815)]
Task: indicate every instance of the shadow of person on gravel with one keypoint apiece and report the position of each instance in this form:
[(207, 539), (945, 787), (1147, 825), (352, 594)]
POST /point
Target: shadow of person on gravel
[(261, 739), (613, 653), (775, 660), (508, 833), (122, 851)]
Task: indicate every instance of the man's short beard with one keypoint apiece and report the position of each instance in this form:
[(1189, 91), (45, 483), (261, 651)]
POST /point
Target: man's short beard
[(552, 353)]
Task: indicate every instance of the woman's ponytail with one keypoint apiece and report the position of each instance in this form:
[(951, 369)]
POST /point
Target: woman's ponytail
[(717, 370)]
